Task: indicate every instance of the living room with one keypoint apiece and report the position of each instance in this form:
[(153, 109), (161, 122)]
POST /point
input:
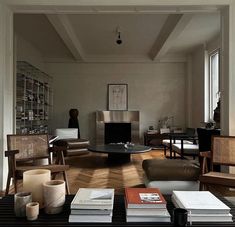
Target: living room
[(156, 88), (172, 85)]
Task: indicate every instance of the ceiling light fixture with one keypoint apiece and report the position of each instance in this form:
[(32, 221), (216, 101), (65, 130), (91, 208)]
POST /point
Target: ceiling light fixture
[(119, 40)]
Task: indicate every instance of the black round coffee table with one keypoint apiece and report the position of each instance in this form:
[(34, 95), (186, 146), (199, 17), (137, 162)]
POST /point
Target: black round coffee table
[(118, 152)]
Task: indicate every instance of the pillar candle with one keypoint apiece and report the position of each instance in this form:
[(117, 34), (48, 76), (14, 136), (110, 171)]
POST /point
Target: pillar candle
[(33, 182)]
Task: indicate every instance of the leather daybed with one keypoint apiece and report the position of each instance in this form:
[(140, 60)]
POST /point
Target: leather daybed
[(171, 174)]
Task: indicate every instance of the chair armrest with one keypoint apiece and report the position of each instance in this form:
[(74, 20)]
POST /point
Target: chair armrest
[(11, 153)]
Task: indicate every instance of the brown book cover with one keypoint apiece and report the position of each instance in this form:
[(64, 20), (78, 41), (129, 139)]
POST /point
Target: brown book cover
[(144, 198)]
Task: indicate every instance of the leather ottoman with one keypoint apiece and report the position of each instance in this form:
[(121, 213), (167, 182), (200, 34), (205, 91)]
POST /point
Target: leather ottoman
[(73, 146)]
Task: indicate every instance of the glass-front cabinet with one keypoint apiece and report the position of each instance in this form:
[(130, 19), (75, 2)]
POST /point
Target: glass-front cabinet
[(33, 99)]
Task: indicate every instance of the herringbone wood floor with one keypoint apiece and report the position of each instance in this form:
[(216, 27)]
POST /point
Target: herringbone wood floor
[(93, 170)]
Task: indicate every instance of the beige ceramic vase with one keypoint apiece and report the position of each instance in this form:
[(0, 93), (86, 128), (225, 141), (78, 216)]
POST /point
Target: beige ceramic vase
[(33, 182), (54, 196)]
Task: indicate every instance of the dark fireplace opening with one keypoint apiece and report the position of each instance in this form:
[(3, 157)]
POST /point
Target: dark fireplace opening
[(117, 133)]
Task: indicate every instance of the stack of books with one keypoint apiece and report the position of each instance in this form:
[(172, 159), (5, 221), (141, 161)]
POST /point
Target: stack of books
[(92, 205), (202, 206), (145, 205)]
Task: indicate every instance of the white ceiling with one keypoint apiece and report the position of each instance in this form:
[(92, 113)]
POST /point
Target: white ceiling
[(92, 37)]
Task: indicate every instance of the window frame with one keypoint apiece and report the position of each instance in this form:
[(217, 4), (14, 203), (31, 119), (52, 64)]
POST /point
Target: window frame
[(210, 81)]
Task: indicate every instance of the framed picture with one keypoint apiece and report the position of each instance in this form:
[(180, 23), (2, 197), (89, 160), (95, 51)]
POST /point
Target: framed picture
[(117, 96)]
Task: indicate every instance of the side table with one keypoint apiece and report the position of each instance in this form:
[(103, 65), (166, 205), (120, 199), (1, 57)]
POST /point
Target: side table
[(154, 140)]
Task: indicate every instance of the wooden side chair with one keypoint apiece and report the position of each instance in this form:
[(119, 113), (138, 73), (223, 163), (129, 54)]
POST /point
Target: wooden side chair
[(222, 153), (26, 151)]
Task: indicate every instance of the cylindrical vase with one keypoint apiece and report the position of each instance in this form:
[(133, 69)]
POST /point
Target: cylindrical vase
[(32, 211), (54, 196), (20, 201), (33, 182)]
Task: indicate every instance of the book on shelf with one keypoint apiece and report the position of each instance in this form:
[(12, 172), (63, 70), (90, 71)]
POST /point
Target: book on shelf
[(91, 211), (146, 211), (90, 218), (93, 198), (210, 218), (144, 198), (199, 202), (165, 218)]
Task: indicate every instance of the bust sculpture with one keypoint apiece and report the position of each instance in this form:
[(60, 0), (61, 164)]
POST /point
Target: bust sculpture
[(73, 120)]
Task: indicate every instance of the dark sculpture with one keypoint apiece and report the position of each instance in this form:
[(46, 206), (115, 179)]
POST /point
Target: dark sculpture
[(73, 120), (217, 115)]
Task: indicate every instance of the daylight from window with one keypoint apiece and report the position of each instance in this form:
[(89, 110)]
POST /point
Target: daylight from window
[(213, 83)]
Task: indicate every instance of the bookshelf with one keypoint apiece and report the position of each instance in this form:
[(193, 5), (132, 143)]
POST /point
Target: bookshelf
[(33, 99)]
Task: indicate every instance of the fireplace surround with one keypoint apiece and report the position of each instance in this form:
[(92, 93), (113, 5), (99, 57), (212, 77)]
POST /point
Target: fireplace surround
[(118, 123)]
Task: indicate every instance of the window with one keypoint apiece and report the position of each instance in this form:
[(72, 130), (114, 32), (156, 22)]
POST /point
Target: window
[(214, 94)]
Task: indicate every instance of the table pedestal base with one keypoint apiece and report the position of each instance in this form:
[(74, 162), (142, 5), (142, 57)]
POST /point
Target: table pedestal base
[(119, 157)]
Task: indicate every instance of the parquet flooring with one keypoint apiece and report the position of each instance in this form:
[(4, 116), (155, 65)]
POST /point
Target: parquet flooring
[(93, 170)]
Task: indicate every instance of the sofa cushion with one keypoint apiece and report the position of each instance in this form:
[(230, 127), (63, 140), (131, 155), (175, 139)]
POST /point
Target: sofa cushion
[(167, 142), (73, 143), (73, 146), (171, 169), (189, 149)]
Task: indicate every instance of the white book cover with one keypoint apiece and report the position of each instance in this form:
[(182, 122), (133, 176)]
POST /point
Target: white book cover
[(90, 218), (199, 202), (93, 198)]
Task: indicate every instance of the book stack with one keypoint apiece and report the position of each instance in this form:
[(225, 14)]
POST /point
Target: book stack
[(202, 206), (145, 205), (92, 205)]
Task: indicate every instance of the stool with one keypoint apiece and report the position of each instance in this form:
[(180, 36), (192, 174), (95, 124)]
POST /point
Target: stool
[(171, 174), (74, 146)]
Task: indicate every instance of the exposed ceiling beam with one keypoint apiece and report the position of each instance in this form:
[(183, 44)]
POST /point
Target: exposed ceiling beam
[(173, 26), (66, 32)]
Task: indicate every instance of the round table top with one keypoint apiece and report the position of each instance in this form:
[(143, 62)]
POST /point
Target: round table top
[(119, 148)]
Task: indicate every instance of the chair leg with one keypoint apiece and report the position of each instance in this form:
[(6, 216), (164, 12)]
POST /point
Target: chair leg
[(202, 186), (8, 185), (164, 150), (15, 184), (66, 182)]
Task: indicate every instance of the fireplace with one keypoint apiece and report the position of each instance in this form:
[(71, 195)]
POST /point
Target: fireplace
[(117, 127), (117, 133)]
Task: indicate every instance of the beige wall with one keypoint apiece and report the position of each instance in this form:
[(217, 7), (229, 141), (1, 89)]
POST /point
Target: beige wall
[(156, 90), (197, 107), (26, 51)]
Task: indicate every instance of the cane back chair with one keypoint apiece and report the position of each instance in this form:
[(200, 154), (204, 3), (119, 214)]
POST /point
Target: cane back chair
[(27, 152), (222, 153)]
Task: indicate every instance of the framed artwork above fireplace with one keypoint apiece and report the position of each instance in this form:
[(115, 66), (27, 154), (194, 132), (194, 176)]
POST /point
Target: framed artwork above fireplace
[(117, 96)]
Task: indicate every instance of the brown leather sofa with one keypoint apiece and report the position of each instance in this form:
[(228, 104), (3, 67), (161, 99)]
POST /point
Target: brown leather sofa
[(171, 174)]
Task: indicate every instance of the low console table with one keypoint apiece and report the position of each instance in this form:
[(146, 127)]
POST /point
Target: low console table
[(8, 218)]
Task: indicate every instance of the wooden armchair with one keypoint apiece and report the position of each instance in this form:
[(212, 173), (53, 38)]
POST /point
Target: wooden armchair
[(26, 151), (222, 153)]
